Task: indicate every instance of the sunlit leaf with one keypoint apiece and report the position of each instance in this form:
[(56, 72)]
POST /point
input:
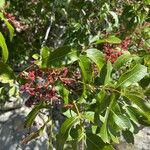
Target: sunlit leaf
[(104, 133), (122, 60), (110, 39), (6, 73), (12, 91), (89, 115), (36, 56), (4, 48), (96, 56), (108, 75), (86, 68), (2, 3), (44, 53), (9, 26), (133, 75), (122, 121), (115, 17), (108, 147)]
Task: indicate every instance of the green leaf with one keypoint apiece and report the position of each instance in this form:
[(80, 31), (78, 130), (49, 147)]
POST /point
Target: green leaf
[(140, 115), (96, 56), (77, 133), (108, 75), (65, 130), (94, 142), (105, 74), (44, 53), (4, 48), (145, 82), (1, 90), (133, 75), (89, 115), (9, 26), (115, 17), (36, 56), (147, 60), (128, 136), (70, 113), (6, 73), (1, 15), (122, 121), (65, 94), (108, 147), (147, 91), (104, 100), (67, 125), (62, 56), (113, 136), (2, 3), (131, 115), (93, 39), (12, 91), (34, 112), (110, 39), (139, 101), (122, 60), (86, 68), (113, 40), (104, 132)]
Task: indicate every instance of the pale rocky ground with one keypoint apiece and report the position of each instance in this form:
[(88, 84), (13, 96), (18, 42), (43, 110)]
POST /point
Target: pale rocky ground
[(12, 132), (142, 141)]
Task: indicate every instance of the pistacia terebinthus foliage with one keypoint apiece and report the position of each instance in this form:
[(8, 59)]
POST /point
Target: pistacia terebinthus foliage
[(84, 64)]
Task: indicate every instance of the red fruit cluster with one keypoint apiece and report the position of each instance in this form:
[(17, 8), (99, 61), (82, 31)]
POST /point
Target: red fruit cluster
[(112, 52), (125, 43), (17, 24), (39, 84)]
